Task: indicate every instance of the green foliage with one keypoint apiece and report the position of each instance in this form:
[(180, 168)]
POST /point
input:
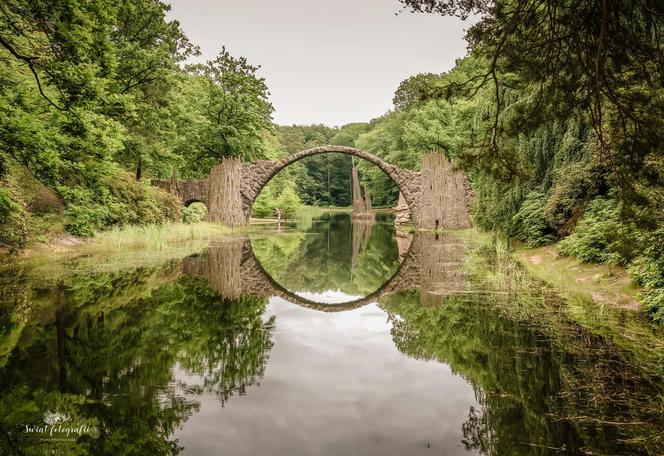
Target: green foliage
[(519, 350), (91, 327), (304, 262), (415, 89), (286, 200), (14, 231), (648, 271), (116, 202), (7, 204), (402, 138), (600, 236), (13, 223), (548, 61), (230, 110), (323, 179), (194, 213), (584, 129), (530, 224), (89, 90), (573, 184)]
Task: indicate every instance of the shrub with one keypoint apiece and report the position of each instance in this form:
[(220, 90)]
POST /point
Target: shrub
[(194, 213), (529, 224), (266, 203), (7, 204), (574, 184), (13, 221), (119, 201), (600, 236), (288, 202), (84, 219), (647, 269)]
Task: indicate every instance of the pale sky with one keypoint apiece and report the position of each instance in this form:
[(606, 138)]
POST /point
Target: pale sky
[(330, 62)]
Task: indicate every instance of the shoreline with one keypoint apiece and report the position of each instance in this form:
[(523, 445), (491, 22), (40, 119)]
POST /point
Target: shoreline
[(606, 285)]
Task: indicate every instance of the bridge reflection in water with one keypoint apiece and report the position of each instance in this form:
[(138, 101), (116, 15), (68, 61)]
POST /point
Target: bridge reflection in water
[(430, 262)]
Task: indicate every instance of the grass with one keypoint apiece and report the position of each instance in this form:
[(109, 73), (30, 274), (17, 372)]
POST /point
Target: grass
[(121, 248), (603, 284), (155, 237)]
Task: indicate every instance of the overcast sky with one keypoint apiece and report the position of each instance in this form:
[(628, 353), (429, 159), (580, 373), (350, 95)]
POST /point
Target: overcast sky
[(330, 62)]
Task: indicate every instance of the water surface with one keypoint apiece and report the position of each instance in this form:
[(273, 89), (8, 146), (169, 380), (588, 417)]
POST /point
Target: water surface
[(324, 337)]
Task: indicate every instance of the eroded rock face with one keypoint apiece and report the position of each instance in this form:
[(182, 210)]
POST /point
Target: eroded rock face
[(437, 196)]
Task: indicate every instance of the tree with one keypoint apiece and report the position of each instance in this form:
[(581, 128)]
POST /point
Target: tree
[(231, 107), (601, 59), (149, 49), (414, 89)]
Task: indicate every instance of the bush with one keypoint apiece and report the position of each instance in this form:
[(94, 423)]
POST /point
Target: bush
[(119, 201), (13, 221), (266, 203), (14, 231), (288, 202), (529, 224), (194, 213), (647, 269), (84, 219), (600, 236), (575, 183)]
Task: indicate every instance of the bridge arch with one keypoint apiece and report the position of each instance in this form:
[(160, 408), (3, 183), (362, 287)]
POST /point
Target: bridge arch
[(191, 201), (232, 269), (256, 175)]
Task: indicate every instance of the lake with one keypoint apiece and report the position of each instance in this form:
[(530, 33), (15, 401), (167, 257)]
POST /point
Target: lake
[(325, 336)]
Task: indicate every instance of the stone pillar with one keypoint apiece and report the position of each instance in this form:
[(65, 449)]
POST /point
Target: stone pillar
[(367, 201), (403, 243), (220, 266), (173, 188), (225, 196), (441, 267), (445, 194), (356, 194), (402, 212)]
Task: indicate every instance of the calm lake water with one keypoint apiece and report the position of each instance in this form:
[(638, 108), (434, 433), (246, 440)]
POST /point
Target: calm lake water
[(325, 337)]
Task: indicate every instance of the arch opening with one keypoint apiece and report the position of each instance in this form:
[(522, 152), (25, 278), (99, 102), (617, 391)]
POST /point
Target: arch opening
[(262, 173), (189, 202), (194, 211)]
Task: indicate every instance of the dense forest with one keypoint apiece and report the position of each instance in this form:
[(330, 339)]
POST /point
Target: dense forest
[(556, 114)]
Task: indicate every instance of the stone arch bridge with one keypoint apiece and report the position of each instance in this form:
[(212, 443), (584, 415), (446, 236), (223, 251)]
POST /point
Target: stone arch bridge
[(433, 264), (437, 196)]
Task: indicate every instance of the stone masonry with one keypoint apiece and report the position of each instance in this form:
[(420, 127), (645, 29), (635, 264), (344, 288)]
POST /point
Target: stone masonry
[(233, 186)]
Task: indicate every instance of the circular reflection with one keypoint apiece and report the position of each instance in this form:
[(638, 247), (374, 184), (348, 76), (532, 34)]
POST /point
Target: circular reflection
[(331, 259)]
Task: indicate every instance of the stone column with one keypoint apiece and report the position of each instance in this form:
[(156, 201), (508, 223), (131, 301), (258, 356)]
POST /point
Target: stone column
[(225, 197), (173, 188), (445, 194), (402, 213)]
